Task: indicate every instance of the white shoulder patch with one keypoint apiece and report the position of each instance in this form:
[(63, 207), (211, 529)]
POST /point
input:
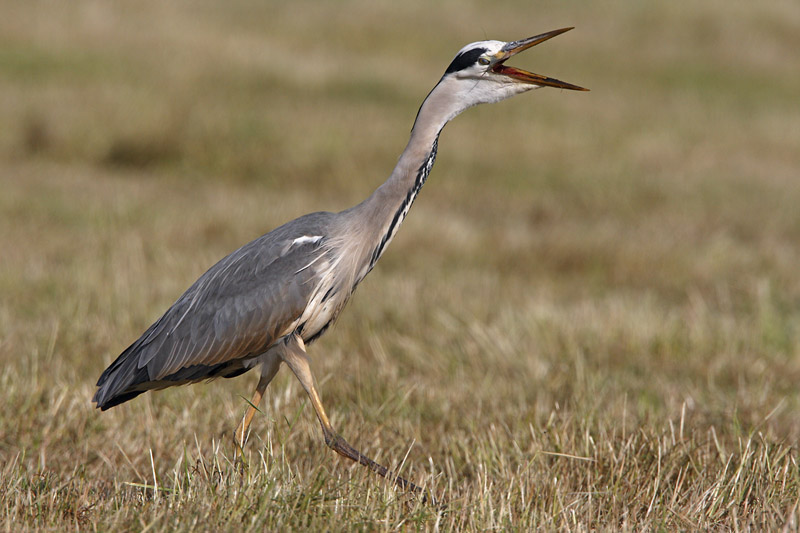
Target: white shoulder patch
[(307, 239)]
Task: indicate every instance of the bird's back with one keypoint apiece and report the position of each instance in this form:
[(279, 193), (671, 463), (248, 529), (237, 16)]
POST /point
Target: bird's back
[(234, 312)]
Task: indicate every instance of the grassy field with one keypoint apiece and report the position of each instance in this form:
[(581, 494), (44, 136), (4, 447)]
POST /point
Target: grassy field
[(589, 321)]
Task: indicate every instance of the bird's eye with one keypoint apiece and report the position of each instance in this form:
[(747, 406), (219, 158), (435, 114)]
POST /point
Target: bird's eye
[(483, 61)]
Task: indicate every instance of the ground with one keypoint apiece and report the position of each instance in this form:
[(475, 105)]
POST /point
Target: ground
[(590, 319)]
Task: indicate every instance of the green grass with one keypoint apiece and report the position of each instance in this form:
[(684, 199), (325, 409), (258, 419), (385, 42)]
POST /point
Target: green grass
[(589, 321)]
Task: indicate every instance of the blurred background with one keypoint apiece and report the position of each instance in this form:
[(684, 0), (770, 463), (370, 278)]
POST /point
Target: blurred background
[(593, 263)]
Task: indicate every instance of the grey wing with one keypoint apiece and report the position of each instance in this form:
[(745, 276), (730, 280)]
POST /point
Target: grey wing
[(239, 308)]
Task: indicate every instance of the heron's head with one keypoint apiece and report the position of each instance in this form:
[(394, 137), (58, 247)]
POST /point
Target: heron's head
[(479, 75)]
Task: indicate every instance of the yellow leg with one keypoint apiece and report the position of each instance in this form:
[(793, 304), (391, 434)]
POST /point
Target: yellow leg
[(268, 371), (296, 358)]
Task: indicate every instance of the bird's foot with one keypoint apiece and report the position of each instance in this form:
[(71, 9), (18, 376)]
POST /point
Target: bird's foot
[(343, 448)]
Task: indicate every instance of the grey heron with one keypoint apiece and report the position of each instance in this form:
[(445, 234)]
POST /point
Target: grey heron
[(262, 304)]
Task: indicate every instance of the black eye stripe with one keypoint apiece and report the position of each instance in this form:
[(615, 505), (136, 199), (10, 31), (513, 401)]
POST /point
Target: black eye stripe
[(465, 59)]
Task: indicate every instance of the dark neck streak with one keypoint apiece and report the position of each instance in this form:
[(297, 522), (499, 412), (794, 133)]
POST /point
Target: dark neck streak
[(371, 225), (423, 172)]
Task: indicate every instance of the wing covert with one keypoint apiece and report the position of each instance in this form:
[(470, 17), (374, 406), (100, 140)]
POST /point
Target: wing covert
[(239, 307)]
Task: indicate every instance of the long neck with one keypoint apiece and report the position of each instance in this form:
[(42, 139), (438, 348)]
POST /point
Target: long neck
[(379, 217)]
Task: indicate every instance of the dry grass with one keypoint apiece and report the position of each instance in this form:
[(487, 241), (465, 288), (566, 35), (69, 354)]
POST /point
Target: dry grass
[(590, 320)]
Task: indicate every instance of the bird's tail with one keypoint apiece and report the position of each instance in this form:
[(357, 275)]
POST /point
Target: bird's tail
[(128, 376), (122, 380)]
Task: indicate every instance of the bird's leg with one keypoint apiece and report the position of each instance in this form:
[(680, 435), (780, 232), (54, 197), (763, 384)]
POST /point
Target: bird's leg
[(268, 370), (296, 358)]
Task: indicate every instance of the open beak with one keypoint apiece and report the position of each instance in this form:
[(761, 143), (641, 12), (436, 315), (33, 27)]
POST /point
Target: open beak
[(523, 76)]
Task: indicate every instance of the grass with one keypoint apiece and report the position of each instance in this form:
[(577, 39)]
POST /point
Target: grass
[(590, 320)]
